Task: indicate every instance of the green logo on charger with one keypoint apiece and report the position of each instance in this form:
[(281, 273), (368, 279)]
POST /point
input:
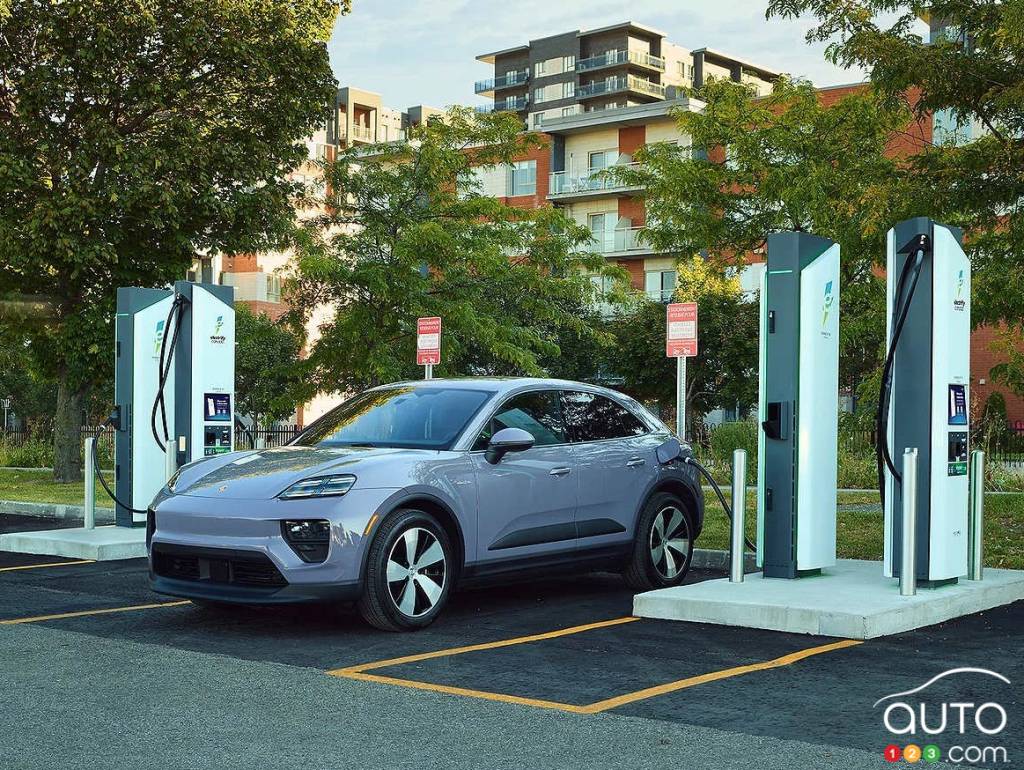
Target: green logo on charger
[(219, 325), (828, 302)]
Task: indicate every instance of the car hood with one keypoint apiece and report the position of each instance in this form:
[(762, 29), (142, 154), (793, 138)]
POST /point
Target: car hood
[(264, 474)]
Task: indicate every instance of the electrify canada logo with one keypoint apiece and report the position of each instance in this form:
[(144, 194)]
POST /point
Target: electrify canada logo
[(826, 309), (158, 338), (217, 338), (959, 303), (963, 729)]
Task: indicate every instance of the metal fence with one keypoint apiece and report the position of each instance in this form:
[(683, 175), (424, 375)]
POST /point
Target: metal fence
[(1005, 445), (264, 438)]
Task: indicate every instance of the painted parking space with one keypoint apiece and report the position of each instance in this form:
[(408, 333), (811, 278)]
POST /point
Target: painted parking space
[(586, 669), (574, 647)]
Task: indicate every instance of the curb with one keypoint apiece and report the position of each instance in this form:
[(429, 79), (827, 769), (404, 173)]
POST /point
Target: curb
[(55, 511)]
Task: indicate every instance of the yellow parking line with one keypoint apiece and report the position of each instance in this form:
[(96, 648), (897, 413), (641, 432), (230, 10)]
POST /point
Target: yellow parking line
[(481, 694), (714, 676), (48, 564), (475, 647), (358, 672), (84, 613)]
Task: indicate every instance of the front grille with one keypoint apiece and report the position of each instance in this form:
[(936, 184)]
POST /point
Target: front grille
[(215, 566)]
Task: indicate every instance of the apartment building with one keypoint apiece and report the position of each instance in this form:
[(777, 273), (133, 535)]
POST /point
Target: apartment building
[(613, 67)]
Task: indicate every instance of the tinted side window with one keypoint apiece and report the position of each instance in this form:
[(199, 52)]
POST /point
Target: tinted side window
[(591, 417), (538, 413)]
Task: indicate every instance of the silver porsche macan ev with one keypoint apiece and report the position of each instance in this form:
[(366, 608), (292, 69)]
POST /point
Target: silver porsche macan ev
[(406, 490)]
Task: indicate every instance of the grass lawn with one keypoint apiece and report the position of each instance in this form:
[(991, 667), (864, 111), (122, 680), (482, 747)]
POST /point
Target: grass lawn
[(859, 534), (39, 487)]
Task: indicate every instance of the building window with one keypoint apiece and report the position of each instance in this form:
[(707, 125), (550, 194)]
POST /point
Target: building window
[(569, 63), (660, 285), (538, 119), (567, 111), (522, 178), (539, 68), (569, 89), (602, 159), (538, 95)]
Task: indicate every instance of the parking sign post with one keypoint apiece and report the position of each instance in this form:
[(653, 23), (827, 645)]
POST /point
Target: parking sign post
[(428, 344), (680, 344)]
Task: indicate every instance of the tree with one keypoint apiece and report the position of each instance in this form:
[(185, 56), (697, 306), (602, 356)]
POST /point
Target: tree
[(134, 137), (408, 234), (783, 162), (723, 375), (267, 366), (970, 77)]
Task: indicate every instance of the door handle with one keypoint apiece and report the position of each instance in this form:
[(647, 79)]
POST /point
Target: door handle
[(560, 471), (636, 462)]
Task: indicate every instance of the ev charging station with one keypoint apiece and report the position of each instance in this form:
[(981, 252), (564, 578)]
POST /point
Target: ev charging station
[(923, 409), (173, 386), (798, 408), (925, 397)]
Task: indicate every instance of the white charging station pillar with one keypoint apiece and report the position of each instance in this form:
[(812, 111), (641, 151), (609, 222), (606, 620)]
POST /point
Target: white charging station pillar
[(930, 394), (798, 406), (204, 402)]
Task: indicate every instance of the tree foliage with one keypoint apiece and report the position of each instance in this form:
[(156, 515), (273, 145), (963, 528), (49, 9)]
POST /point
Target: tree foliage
[(408, 234), (973, 78), (723, 375), (267, 366), (783, 162), (134, 136)]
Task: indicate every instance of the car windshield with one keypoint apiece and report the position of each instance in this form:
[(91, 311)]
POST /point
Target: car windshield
[(405, 417)]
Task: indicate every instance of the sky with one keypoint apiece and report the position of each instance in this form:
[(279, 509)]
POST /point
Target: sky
[(424, 51)]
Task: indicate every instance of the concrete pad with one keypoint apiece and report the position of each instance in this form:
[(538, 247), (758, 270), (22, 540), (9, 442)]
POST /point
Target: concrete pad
[(852, 600), (101, 544)]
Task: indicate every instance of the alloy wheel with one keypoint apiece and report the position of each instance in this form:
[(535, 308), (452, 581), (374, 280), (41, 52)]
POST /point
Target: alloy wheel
[(416, 572), (670, 542)]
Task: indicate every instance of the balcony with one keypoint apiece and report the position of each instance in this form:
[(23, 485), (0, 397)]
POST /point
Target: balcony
[(362, 133), (621, 83), (507, 105), (508, 80), (621, 241), (592, 184), (619, 57)]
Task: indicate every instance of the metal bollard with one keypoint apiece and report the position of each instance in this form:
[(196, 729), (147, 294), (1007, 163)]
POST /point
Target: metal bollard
[(170, 460), (975, 527), (908, 561), (737, 552), (90, 485)]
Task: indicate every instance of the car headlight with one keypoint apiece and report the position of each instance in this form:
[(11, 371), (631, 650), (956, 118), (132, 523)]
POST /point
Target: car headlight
[(319, 486)]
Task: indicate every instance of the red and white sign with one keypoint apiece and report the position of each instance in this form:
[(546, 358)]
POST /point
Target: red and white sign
[(428, 341), (681, 330)]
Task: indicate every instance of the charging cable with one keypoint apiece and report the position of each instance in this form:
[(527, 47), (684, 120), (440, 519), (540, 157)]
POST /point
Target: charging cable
[(164, 369), (901, 308), (99, 474), (691, 460)]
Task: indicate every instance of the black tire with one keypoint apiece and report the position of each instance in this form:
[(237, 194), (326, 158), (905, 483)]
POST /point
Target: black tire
[(644, 571), (385, 604)]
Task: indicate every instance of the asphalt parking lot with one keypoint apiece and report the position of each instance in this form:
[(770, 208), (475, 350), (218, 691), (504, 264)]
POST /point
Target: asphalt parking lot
[(98, 671)]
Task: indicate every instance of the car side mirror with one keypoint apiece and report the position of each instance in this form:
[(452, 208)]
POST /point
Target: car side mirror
[(507, 440)]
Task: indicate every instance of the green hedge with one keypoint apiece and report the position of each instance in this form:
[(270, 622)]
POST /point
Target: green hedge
[(38, 453)]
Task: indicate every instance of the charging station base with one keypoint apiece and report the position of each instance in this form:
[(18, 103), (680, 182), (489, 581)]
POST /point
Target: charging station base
[(100, 544), (852, 600)]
